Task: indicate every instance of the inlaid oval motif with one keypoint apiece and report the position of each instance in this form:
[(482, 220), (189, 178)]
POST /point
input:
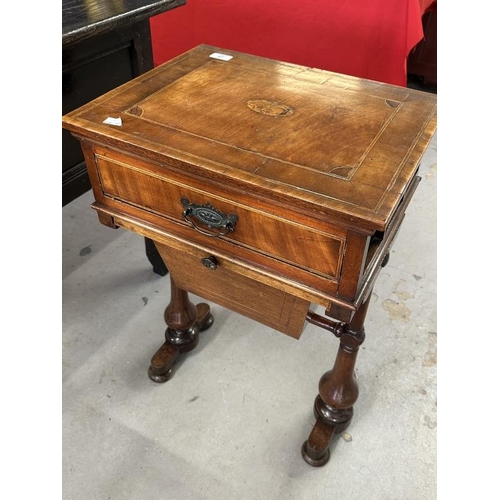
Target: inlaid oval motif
[(136, 110), (270, 108)]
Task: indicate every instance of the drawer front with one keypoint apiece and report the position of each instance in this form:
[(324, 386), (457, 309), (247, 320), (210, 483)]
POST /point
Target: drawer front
[(159, 191), (225, 283)]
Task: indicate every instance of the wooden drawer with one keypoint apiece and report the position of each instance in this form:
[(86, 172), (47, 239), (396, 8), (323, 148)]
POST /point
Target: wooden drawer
[(229, 285), (159, 190)]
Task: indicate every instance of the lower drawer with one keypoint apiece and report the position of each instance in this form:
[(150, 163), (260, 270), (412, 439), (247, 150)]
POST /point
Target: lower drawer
[(224, 282)]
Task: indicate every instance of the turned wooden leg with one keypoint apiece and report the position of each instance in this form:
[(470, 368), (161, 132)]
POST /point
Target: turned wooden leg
[(338, 391), (184, 322)]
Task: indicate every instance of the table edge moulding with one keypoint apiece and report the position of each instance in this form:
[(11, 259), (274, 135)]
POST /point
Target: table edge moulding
[(268, 188)]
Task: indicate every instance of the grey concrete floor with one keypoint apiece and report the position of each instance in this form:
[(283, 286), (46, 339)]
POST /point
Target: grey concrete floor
[(231, 421)]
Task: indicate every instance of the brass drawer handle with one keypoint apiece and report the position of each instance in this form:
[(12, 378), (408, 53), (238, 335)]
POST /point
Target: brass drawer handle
[(210, 262), (210, 217)]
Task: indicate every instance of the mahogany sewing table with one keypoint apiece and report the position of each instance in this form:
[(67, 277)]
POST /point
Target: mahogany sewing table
[(268, 188)]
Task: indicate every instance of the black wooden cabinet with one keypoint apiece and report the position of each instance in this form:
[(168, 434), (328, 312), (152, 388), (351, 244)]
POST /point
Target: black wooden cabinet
[(104, 43)]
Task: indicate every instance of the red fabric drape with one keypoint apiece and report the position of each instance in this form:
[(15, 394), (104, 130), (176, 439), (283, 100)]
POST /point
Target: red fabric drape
[(365, 38)]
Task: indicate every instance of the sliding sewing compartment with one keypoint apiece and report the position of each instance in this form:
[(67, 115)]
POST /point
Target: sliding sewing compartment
[(248, 259)]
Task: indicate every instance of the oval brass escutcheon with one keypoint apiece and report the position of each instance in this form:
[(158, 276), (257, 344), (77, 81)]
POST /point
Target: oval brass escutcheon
[(210, 262), (209, 216), (270, 108)]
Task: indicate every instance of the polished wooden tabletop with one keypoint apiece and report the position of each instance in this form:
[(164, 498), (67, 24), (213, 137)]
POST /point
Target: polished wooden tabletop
[(341, 145)]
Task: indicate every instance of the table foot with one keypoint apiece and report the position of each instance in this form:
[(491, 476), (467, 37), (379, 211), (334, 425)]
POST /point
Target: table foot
[(184, 322), (316, 450), (329, 422)]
